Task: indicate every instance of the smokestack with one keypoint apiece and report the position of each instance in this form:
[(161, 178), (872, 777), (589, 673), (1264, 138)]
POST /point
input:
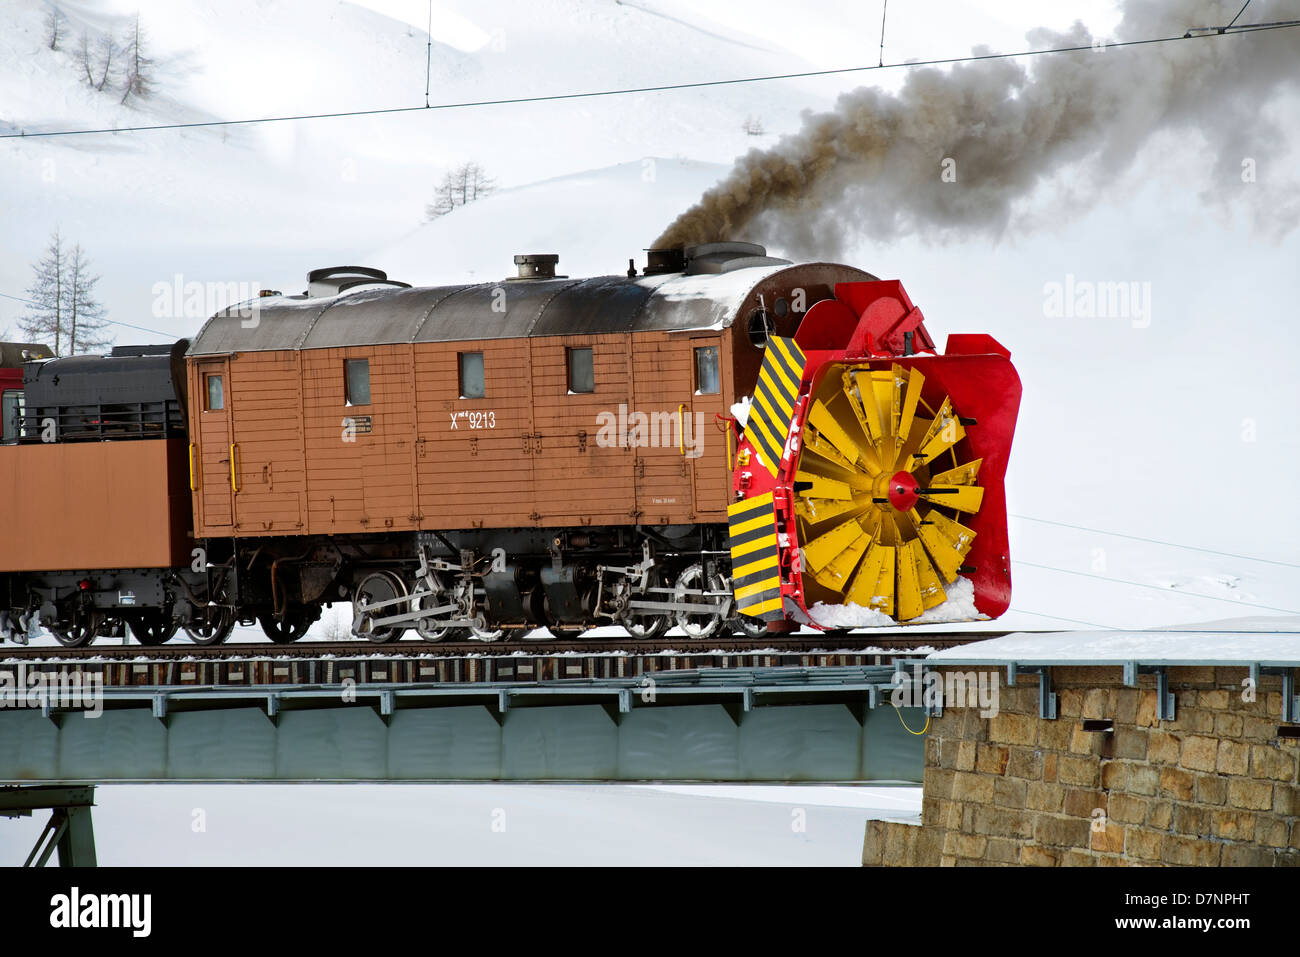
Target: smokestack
[(955, 149), (536, 265)]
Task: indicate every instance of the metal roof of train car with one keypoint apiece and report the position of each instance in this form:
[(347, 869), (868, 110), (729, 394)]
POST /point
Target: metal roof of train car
[(670, 302)]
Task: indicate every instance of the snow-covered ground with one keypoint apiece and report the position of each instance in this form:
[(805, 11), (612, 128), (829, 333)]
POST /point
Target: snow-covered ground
[(479, 825), (1176, 429)]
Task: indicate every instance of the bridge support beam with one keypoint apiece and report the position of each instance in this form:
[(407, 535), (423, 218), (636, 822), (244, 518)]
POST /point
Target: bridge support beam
[(69, 830)]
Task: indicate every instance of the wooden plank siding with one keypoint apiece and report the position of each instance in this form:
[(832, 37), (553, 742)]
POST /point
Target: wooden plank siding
[(210, 433), (266, 424), (478, 472), (528, 453), (577, 480)]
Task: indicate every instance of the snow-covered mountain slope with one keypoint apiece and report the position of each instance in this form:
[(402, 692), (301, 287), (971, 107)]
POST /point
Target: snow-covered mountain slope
[(261, 204), (583, 216)]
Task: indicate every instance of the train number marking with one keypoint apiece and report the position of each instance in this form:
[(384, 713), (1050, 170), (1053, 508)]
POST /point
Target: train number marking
[(473, 420)]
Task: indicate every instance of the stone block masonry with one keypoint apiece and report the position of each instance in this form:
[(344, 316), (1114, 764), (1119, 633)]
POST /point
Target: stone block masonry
[(1217, 787)]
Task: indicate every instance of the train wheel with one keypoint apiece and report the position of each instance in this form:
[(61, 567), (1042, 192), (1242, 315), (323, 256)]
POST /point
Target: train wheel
[(480, 630), (379, 587), (287, 630), (211, 625), (696, 625), (426, 628), (749, 627), (645, 626), (565, 632), (73, 634), (151, 628)]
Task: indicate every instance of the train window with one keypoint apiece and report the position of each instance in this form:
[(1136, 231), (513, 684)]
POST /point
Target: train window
[(706, 371), (357, 379), (761, 325), (472, 385), (582, 371), (11, 413), (216, 394)]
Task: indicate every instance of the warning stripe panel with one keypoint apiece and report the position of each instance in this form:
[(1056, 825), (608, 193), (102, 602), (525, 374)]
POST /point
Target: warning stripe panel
[(755, 557), (774, 397)]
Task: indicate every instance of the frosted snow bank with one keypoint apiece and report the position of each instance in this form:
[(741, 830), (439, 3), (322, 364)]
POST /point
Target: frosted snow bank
[(1221, 644)]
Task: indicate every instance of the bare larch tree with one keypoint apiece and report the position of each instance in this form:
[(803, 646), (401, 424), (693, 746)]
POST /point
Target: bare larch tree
[(459, 187)]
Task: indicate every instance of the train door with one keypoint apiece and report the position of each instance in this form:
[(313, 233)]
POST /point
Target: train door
[(659, 369), (215, 481), (582, 474), (705, 433)]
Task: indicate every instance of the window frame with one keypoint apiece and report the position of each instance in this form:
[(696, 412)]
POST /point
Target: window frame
[(347, 382), (460, 374), (717, 368), (14, 396), (569, 353), (207, 391)]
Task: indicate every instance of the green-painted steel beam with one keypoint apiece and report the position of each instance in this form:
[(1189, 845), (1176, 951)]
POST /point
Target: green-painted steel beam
[(689, 739)]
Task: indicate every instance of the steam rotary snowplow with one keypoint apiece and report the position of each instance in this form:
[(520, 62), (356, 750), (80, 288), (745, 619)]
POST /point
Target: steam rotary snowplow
[(869, 475)]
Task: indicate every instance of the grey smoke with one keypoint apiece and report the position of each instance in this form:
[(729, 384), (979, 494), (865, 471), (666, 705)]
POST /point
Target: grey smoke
[(872, 167)]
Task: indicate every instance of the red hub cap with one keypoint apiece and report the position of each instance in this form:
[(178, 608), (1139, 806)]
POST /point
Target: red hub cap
[(902, 491)]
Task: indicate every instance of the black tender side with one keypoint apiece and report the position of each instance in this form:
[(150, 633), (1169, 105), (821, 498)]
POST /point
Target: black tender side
[(131, 393)]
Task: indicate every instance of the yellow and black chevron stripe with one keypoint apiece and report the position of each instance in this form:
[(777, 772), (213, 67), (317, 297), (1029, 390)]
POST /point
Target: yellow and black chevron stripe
[(755, 557), (774, 397)]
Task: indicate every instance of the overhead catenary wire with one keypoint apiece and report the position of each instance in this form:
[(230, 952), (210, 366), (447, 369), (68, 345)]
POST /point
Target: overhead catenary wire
[(1039, 614), (1153, 541), (1159, 588), (111, 322), (656, 88)]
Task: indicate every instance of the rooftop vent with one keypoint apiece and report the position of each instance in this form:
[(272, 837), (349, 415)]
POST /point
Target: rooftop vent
[(333, 280), (537, 266), (709, 258)]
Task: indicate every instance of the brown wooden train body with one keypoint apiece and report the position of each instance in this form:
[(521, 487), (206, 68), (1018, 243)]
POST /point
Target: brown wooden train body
[(287, 454)]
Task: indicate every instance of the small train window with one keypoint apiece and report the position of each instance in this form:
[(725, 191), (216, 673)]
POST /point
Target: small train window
[(582, 371), (356, 376), (472, 384), (706, 371), (761, 325), (11, 411), (216, 394)]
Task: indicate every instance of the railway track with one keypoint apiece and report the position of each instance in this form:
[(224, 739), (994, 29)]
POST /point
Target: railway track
[(625, 647)]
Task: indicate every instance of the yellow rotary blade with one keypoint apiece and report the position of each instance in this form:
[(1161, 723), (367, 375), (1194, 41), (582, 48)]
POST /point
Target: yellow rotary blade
[(819, 445), (821, 419), (961, 475), (945, 431), (862, 589), (945, 537), (822, 550), (932, 592), (964, 498), (914, 381), (908, 596), (863, 405)]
